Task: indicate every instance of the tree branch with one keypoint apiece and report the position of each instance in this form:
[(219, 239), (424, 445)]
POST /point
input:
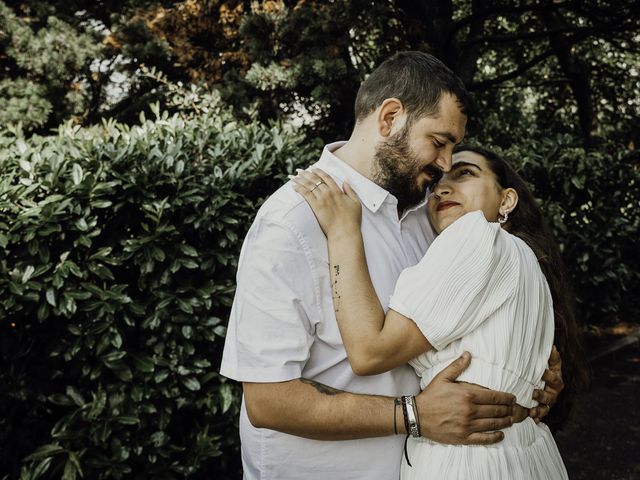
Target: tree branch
[(578, 32), (526, 36), (512, 74), (572, 40), (617, 43), (551, 81), (597, 13), (507, 10)]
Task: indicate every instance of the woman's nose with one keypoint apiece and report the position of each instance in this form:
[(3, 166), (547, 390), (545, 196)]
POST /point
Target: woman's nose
[(442, 188)]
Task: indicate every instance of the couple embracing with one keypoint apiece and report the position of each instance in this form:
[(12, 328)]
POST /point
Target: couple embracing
[(397, 304)]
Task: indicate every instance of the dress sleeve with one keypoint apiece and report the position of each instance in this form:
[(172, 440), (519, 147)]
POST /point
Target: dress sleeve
[(269, 336), (469, 271)]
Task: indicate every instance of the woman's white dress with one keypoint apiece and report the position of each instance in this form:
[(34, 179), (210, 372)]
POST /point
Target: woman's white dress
[(480, 289)]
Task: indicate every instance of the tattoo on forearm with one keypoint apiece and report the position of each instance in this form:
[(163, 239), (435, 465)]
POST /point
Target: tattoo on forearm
[(336, 293), (321, 388)]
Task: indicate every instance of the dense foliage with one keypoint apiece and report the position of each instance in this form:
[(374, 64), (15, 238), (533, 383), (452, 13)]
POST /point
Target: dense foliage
[(591, 199), (573, 67), (120, 231), (119, 248)]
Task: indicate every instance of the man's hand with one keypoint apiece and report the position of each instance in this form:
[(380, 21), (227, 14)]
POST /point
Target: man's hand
[(553, 386), (462, 413)]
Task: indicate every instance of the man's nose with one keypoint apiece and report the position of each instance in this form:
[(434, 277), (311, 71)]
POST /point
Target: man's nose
[(445, 160)]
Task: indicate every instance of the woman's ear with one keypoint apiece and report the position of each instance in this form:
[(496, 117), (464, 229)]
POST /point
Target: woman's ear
[(509, 201), (389, 117)]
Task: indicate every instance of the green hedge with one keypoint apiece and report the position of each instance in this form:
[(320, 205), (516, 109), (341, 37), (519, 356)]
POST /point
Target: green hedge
[(117, 265), (592, 202)]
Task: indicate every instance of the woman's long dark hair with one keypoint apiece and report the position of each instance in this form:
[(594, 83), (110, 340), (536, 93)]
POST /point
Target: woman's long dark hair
[(527, 222)]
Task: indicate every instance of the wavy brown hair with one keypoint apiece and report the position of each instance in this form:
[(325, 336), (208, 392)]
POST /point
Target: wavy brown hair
[(527, 222)]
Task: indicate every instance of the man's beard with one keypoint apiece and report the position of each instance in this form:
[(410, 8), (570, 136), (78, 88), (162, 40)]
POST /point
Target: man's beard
[(396, 168)]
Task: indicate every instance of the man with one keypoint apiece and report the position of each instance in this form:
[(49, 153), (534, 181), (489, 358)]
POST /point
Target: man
[(300, 393)]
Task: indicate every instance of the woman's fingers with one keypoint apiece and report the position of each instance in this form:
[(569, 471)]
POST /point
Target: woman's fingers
[(301, 185), (350, 192), (306, 193), (324, 177), (306, 179), (319, 181), (334, 210)]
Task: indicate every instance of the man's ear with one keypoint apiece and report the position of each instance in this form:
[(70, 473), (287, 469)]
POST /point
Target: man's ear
[(390, 116), (509, 201)]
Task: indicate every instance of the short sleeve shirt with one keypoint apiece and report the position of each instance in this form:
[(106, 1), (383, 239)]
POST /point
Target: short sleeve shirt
[(283, 326)]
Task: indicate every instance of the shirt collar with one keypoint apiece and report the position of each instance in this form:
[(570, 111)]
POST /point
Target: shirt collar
[(371, 194)]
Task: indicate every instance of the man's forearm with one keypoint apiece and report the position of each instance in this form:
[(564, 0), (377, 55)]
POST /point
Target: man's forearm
[(312, 410)]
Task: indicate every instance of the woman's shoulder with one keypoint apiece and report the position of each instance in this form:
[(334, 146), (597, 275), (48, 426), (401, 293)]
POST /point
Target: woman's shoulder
[(470, 240), (474, 219), (525, 253), (470, 228), (474, 238)]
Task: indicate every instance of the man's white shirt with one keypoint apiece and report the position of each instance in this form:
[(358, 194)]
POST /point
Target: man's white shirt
[(283, 327)]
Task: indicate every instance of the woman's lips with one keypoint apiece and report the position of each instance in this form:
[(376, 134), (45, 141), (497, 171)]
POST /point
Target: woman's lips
[(444, 205)]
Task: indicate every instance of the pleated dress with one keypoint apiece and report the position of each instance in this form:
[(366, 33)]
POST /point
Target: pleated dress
[(480, 289)]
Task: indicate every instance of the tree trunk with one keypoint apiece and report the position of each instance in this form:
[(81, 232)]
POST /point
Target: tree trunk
[(428, 25), (577, 73), (466, 59)]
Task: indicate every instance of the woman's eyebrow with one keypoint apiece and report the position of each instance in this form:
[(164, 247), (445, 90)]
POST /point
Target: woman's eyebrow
[(457, 165)]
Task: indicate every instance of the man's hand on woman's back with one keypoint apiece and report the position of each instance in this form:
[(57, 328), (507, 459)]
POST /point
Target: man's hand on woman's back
[(462, 413)]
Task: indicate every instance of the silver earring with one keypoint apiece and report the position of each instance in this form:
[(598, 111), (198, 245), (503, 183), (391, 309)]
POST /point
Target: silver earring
[(502, 219)]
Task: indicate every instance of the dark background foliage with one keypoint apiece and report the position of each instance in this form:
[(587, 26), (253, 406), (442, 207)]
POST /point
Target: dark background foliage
[(119, 233), (570, 66), (119, 249)]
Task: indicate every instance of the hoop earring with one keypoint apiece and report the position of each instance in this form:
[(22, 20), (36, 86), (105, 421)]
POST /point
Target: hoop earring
[(502, 219)]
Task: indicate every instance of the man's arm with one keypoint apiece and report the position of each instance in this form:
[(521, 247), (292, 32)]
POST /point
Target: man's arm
[(448, 412), (309, 409)]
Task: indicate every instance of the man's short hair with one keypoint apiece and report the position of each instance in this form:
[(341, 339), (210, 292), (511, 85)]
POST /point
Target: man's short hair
[(417, 79)]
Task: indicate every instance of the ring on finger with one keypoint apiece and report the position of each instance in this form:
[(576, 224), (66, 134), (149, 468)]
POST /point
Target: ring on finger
[(317, 185)]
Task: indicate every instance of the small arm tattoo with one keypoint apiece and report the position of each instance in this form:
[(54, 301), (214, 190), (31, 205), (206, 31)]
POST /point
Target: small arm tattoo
[(336, 294), (321, 388)]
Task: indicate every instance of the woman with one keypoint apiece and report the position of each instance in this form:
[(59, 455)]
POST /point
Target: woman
[(489, 284)]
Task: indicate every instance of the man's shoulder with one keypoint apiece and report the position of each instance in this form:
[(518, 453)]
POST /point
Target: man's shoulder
[(286, 208)]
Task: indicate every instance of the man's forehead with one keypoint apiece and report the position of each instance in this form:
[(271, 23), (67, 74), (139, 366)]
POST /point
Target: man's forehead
[(449, 135), (450, 127)]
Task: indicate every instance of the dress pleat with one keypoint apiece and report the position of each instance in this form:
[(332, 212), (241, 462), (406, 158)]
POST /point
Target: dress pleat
[(480, 289)]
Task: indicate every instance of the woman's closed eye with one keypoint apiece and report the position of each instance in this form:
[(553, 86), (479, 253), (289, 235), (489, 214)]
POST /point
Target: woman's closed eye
[(462, 172)]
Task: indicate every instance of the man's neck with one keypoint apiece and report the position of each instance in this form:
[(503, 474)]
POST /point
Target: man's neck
[(358, 153), (360, 156)]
